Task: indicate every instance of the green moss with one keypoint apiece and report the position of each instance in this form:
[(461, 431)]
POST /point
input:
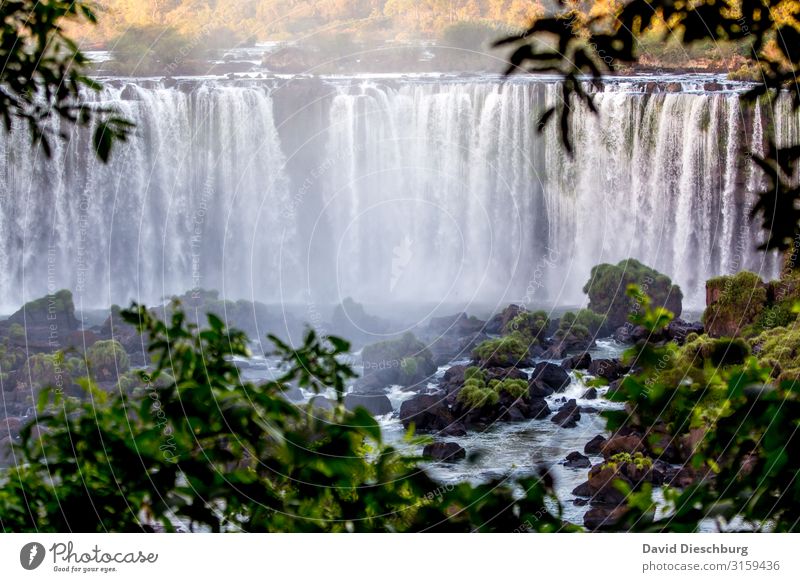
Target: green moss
[(409, 366), (107, 360), (779, 349), (739, 302), (508, 350), (531, 325), (476, 393), (607, 291), (638, 460)]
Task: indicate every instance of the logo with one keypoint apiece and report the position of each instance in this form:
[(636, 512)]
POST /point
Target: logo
[(31, 555)]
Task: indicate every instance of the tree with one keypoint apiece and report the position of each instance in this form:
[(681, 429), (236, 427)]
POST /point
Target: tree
[(198, 447), (572, 46), (43, 74)]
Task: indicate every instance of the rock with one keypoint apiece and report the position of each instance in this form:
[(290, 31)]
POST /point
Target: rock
[(595, 446), (551, 375), (602, 485), (568, 415), (606, 368), (446, 348), (428, 412), (607, 284), (458, 325), (578, 362), (603, 517), (449, 452), (678, 330), (733, 302), (404, 361), (375, 404), (589, 409), (590, 394), (630, 443), (293, 394), (538, 389), (575, 460), (613, 388), (505, 374), (537, 408), (498, 322), (582, 490)]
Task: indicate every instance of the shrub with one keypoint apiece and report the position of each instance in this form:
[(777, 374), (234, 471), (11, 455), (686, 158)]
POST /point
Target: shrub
[(107, 360), (204, 450)]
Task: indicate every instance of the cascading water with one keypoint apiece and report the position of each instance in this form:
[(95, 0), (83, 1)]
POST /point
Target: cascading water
[(394, 190), (186, 204)]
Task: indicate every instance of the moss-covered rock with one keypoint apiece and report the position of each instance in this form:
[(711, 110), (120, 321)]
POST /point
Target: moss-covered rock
[(530, 325), (405, 361), (734, 303), (505, 352), (608, 284), (55, 309), (107, 360), (779, 348)]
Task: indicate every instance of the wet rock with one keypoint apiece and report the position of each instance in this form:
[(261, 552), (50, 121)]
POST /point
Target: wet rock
[(538, 389), (582, 490), (578, 362), (551, 375), (428, 413), (678, 330), (590, 394), (498, 322), (404, 361), (629, 443), (575, 460), (603, 517), (595, 446), (449, 452), (606, 368), (568, 415), (375, 404)]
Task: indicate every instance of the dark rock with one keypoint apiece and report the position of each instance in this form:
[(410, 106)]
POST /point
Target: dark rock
[(538, 389), (551, 375), (590, 409), (678, 329), (498, 322), (575, 460), (606, 368), (458, 325), (603, 517), (376, 404), (590, 394), (578, 362), (428, 412), (568, 415), (404, 361), (594, 446), (449, 452), (505, 374), (582, 490)]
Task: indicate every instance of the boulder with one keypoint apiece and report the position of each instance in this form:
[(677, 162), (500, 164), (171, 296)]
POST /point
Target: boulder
[(606, 368), (448, 452), (590, 394), (607, 290), (603, 517), (618, 443), (375, 404), (577, 362), (568, 415), (538, 389), (678, 330), (499, 321), (575, 460), (551, 375), (404, 361), (733, 302), (595, 446), (428, 413)]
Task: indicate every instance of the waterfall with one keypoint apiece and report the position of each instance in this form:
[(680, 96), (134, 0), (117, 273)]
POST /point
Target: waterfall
[(188, 203), (394, 190)]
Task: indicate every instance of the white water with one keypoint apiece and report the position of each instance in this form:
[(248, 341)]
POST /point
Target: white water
[(421, 191)]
